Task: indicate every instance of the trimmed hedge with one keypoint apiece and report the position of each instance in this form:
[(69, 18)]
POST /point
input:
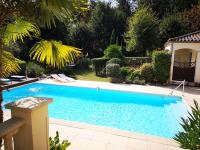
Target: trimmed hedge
[(161, 65), (115, 61), (113, 51), (99, 65), (137, 61), (83, 63)]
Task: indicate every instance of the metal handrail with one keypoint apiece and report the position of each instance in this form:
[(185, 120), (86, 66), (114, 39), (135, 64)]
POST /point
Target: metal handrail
[(183, 90)]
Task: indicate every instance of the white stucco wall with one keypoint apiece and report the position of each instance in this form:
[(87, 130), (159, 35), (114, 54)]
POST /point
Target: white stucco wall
[(183, 55), (175, 47), (197, 70), (178, 46)]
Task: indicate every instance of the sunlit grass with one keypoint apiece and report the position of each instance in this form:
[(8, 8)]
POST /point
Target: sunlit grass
[(89, 75)]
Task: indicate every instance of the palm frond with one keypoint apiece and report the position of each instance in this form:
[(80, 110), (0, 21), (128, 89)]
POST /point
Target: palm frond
[(50, 10), (18, 30), (10, 64), (54, 53)]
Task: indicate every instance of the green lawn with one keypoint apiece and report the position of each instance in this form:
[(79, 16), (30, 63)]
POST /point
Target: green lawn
[(89, 75)]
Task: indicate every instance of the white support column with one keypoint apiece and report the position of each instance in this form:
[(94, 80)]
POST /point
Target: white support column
[(172, 63), (197, 69)]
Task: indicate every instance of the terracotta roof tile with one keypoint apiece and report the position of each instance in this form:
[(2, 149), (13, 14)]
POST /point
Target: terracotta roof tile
[(191, 37)]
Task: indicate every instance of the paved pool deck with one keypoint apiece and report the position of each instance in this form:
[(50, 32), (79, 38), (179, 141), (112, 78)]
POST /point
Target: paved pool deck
[(90, 137)]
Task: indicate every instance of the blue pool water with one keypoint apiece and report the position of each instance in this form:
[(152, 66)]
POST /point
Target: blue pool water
[(144, 113)]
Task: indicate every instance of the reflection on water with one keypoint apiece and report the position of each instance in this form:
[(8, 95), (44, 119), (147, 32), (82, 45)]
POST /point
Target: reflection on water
[(35, 90)]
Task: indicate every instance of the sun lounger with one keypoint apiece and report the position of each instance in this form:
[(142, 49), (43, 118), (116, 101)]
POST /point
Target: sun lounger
[(17, 77), (5, 81), (66, 77), (56, 77)]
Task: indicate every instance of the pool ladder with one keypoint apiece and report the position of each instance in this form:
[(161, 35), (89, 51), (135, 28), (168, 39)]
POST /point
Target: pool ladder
[(98, 88), (183, 90)]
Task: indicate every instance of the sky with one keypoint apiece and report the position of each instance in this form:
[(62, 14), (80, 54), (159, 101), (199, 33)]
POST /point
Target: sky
[(112, 1)]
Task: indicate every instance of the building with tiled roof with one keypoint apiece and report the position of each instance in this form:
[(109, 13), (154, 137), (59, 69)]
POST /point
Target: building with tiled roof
[(185, 61), (191, 37)]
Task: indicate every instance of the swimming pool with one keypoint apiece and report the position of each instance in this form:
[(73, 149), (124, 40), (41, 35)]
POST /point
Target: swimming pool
[(144, 113)]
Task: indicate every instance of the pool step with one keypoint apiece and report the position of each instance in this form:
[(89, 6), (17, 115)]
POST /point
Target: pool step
[(184, 109), (174, 112)]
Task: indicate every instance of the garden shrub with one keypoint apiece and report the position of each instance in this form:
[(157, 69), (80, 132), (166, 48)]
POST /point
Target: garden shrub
[(54, 144), (125, 72), (161, 65), (113, 51), (113, 71), (137, 61), (34, 70), (83, 63), (99, 65), (115, 61), (137, 80), (135, 77), (189, 138), (146, 72), (67, 70), (128, 79), (22, 71), (135, 73)]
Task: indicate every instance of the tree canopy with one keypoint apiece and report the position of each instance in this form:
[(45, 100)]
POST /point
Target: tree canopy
[(102, 24), (171, 26), (142, 32), (20, 19), (163, 8)]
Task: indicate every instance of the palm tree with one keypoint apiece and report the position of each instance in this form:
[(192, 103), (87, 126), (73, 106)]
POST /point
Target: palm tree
[(19, 19)]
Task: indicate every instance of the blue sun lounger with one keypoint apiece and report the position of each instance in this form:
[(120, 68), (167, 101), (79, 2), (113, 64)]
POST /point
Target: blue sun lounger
[(17, 77), (5, 81)]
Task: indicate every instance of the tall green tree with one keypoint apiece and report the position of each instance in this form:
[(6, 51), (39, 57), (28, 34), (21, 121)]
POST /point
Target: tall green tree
[(105, 19), (171, 26), (121, 15), (191, 18), (80, 36), (142, 34), (113, 37), (19, 19), (125, 6), (101, 24), (163, 8)]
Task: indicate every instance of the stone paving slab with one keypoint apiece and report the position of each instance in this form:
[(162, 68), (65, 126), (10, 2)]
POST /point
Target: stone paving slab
[(90, 139)]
